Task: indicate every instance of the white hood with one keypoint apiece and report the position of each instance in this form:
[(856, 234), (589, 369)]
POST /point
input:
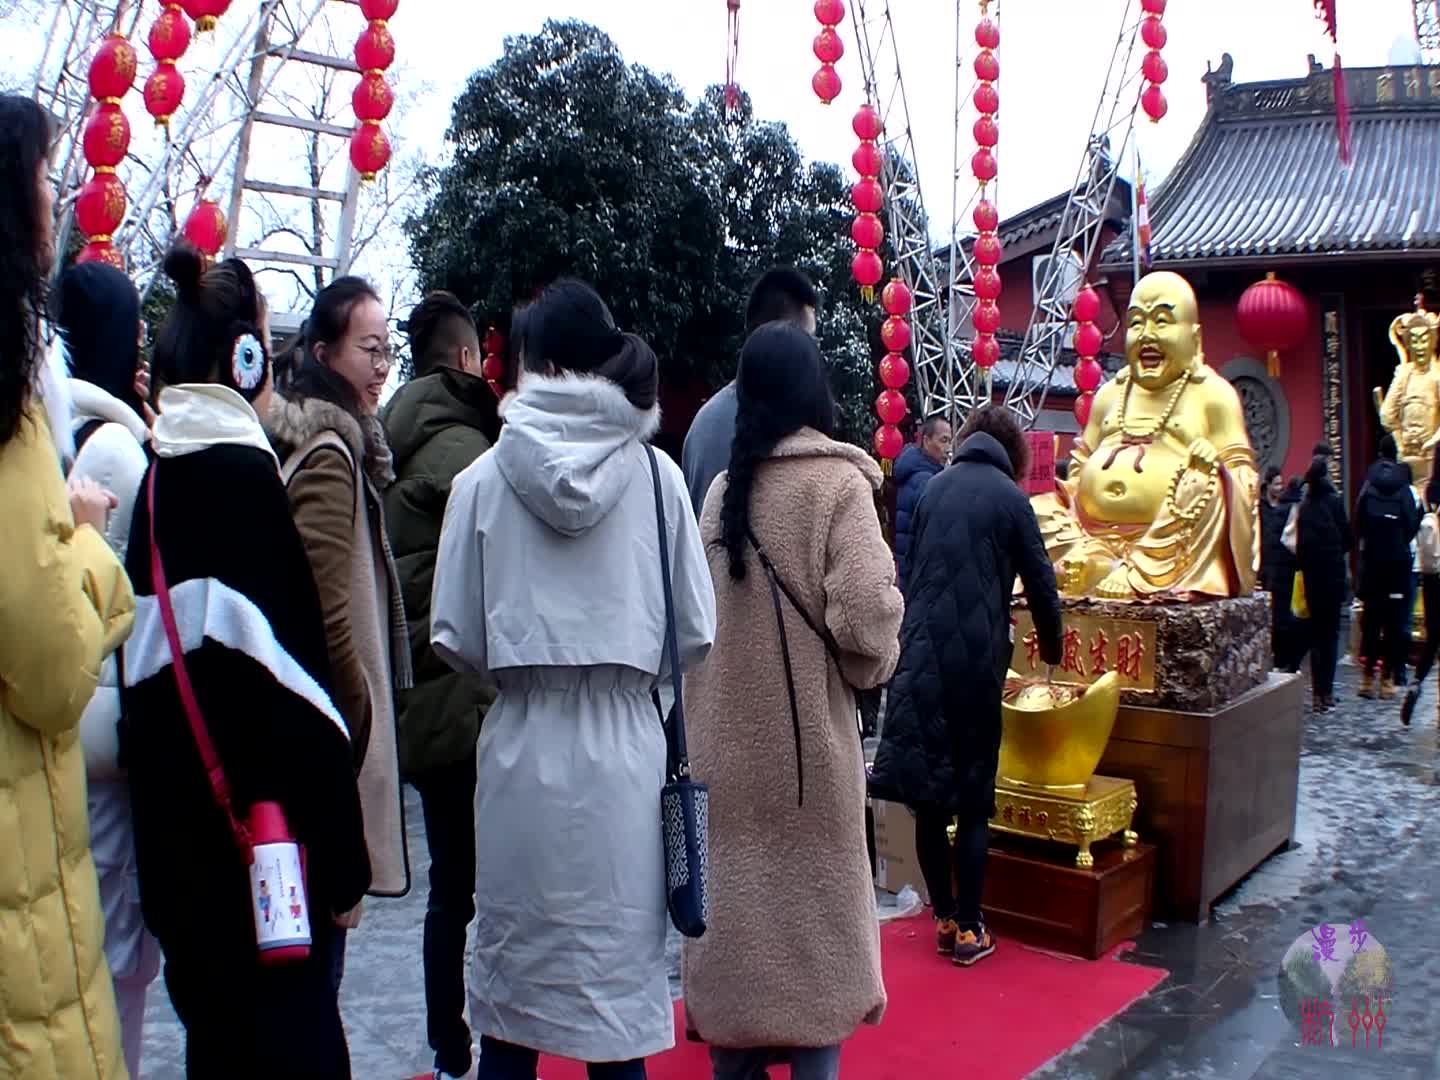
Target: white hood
[(197, 416), (91, 402), (52, 381), (571, 446)]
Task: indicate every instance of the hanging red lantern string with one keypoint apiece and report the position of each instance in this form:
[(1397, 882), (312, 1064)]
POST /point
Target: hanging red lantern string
[(373, 98), (205, 226), (828, 49), (169, 39), (1272, 316), (492, 368), (985, 348), (868, 198), (732, 53), (206, 12), (100, 206), (1088, 340), (894, 372), (1153, 66)]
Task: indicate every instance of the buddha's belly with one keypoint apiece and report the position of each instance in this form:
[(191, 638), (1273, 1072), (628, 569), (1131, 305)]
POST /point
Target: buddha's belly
[(1119, 494)]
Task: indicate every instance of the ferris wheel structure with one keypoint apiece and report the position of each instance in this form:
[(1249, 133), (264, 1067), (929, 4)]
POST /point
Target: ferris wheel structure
[(949, 382)]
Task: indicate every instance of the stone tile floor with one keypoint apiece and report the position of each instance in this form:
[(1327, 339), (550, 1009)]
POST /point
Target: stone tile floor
[(1366, 847)]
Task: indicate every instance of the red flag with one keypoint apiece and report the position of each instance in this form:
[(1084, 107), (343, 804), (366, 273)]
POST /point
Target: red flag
[(1325, 12)]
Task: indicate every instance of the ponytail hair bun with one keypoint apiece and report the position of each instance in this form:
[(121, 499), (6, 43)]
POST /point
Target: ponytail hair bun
[(218, 306), (570, 327), (185, 266)]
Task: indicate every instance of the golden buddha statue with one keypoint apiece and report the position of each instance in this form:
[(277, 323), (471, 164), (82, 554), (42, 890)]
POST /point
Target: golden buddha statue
[(1410, 409), (1161, 498)]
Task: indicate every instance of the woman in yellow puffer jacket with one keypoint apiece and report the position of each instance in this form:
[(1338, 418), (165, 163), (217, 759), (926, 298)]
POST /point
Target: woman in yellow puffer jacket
[(65, 603)]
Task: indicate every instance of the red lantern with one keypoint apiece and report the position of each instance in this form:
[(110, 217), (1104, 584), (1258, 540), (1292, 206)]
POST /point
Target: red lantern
[(1088, 375), (373, 99), (896, 298), (828, 47), (493, 368), (206, 12), (894, 372), (890, 406), (867, 196), (988, 285), (494, 343), (866, 123), (987, 132), (375, 48), (987, 218), (888, 442), (988, 249), (895, 334), (867, 232), (100, 206), (867, 269), (1153, 67), (986, 98), (369, 150), (1088, 340), (101, 251), (1153, 7), (829, 12), (985, 350), (107, 137), (1087, 305), (1082, 408), (1152, 32), (987, 34), (170, 34), (112, 71), (205, 227), (826, 84), (1273, 317), (1154, 103), (986, 317), (984, 166), (164, 90), (987, 68), (866, 159), (378, 10)]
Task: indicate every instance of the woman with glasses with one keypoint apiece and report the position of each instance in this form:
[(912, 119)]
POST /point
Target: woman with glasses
[(336, 462)]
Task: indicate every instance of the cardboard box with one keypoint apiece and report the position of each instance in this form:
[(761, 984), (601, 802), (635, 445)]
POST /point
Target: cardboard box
[(895, 862)]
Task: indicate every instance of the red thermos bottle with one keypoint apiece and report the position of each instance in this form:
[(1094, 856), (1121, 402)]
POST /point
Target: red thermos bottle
[(277, 887)]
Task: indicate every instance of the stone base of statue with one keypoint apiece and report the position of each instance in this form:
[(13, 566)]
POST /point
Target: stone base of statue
[(1207, 733), (1102, 808), (1035, 894)]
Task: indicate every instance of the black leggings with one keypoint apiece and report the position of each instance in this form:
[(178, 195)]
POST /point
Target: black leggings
[(955, 877), (1382, 631), (1430, 591), (506, 1061)]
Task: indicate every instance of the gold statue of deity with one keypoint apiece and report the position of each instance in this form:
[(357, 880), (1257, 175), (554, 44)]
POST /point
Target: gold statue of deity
[(1161, 499), (1410, 409)]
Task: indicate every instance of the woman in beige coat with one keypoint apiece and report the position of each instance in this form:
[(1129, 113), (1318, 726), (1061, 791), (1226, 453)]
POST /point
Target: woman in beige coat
[(336, 462), (790, 963)]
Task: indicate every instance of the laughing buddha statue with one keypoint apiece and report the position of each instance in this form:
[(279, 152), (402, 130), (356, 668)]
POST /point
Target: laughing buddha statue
[(1161, 498), (1410, 409)]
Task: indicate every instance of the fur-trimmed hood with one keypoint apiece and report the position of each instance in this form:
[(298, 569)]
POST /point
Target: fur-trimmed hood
[(571, 446), (290, 423)]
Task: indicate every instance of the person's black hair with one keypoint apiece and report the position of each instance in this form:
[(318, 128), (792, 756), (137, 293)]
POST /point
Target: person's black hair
[(213, 309), (780, 294), (515, 347), (326, 325), (1323, 449), (780, 389), (1389, 449), (439, 326), (24, 147), (1271, 472), (1317, 476), (570, 327), (929, 427), (1000, 424), (97, 309)]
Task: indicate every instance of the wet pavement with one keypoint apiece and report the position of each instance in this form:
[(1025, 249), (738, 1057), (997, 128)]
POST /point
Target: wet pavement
[(1366, 847)]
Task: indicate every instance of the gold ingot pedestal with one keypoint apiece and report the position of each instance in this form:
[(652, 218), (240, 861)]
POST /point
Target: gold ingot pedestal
[(1100, 809)]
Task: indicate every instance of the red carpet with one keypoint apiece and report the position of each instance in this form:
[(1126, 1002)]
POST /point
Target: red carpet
[(1000, 1020)]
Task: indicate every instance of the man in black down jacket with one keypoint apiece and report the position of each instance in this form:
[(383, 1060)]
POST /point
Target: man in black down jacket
[(940, 743), (1387, 519), (915, 468)]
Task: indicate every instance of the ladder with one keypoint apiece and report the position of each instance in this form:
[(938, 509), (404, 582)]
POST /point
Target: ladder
[(305, 229)]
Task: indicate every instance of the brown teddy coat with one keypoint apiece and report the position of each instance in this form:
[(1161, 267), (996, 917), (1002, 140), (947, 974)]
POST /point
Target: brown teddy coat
[(791, 957)]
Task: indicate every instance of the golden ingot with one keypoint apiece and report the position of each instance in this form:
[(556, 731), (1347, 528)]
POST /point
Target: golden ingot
[(1054, 736)]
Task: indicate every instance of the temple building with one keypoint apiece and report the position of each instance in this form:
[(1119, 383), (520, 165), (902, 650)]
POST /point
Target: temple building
[(1261, 189)]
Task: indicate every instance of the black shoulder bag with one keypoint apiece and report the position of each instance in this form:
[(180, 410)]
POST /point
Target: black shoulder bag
[(778, 586), (684, 804)]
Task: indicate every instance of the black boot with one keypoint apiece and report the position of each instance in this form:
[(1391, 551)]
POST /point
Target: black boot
[(1407, 707)]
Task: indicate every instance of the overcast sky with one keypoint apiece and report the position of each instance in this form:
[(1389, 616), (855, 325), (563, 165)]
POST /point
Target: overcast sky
[(1053, 58)]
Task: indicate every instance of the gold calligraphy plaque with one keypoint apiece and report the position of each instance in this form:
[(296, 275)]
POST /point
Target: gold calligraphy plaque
[(1092, 646)]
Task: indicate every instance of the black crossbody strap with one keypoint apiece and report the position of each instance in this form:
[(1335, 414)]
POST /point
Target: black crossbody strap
[(775, 587), (823, 633), (672, 646)]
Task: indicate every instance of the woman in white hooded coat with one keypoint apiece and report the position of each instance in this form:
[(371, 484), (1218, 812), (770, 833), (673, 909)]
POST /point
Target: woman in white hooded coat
[(548, 578)]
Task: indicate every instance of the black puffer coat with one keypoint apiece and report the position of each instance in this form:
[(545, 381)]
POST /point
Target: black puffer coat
[(974, 530), (1387, 518), (1323, 543)]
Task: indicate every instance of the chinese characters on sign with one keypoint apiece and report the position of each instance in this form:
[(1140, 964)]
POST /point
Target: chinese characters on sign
[(1091, 647)]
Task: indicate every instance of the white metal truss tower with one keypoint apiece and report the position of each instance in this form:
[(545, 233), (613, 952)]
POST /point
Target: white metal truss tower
[(1078, 236), (1427, 30)]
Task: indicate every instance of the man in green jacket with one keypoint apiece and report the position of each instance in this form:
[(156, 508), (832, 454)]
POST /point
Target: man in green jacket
[(438, 423)]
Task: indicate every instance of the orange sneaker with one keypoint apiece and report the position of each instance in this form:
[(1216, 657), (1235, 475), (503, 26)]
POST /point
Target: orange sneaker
[(946, 933), (971, 947)]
